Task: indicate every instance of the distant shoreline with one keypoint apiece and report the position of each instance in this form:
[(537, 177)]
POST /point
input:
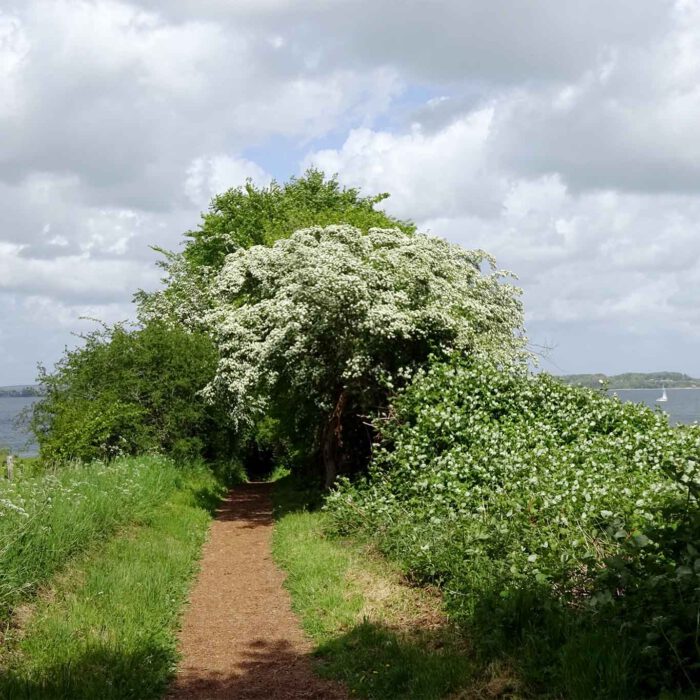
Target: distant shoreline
[(19, 391), (655, 388), (633, 381)]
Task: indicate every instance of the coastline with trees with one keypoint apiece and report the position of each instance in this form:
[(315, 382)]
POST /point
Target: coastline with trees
[(380, 377), (633, 380)]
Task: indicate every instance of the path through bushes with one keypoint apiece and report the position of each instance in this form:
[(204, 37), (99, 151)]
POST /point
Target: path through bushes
[(240, 638)]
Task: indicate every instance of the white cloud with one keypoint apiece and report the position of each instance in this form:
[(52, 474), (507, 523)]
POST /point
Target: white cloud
[(444, 173), (208, 176), (582, 257), (484, 40), (14, 47), (72, 277), (560, 136), (626, 123)]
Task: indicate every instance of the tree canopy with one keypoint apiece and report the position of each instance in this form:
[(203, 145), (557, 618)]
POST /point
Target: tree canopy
[(246, 216), (129, 391), (320, 327)]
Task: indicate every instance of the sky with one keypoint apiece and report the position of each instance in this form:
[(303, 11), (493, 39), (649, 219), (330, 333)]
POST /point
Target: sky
[(562, 137)]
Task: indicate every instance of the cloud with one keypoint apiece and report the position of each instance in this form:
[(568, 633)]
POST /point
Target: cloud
[(72, 277), (627, 123), (127, 99), (14, 47), (597, 257), (478, 40), (443, 173), (560, 136), (208, 176)]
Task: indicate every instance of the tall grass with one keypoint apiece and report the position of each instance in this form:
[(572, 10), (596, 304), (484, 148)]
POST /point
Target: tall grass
[(47, 519), (108, 628)]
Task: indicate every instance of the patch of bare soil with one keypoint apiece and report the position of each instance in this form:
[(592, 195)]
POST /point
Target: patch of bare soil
[(240, 638)]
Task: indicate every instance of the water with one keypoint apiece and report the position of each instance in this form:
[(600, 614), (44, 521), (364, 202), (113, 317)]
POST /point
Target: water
[(10, 435), (683, 405)]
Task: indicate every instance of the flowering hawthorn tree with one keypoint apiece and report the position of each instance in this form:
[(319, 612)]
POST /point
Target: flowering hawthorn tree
[(319, 329), (246, 216)]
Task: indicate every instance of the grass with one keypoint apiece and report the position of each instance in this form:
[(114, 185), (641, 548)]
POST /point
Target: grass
[(24, 467), (49, 518), (106, 627), (381, 637)]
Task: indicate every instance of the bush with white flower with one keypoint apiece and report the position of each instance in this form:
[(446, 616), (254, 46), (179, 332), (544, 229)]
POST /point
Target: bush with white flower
[(319, 328), (554, 518)]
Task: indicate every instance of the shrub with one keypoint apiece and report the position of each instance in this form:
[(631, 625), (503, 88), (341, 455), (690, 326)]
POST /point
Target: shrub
[(127, 392), (317, 329), (562, 524)]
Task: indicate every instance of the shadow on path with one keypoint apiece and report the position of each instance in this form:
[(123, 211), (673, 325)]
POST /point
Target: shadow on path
[(249, 505), (267, 671)]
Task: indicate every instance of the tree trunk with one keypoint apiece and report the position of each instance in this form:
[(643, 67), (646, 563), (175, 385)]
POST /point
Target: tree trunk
[(332, 441), (328, 452)]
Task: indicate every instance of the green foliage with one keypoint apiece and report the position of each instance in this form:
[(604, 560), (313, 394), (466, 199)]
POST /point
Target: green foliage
[(558, 522), (108, 628), (246, 216), (127, 392), (330, 320), (47, 519)]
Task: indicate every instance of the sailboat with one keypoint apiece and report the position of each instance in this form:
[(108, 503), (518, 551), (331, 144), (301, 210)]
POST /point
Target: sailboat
[(663, 398)]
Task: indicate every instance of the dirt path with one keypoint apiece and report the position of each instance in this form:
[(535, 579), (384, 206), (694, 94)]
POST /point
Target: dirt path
[(240, 638)]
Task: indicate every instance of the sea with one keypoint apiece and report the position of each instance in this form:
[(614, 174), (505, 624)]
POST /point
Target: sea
[(13, 436), (683, 405)]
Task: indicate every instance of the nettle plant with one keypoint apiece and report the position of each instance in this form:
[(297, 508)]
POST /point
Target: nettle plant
[(319, 329), (515, 491)]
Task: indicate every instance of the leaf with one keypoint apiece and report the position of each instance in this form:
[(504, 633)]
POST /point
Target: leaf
[(641, 540)]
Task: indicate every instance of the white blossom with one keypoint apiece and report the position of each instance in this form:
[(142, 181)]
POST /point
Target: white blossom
[(332, 308)]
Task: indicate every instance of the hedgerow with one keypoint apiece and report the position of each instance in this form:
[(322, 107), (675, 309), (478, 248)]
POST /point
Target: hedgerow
[(562, 524), (130, 391)]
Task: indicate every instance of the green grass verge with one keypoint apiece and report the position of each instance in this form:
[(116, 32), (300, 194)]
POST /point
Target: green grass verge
[(107, 626), (379, 654), (48, 518)]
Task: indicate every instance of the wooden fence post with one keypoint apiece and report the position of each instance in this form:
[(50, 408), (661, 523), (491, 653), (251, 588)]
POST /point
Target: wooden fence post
[(10, 467)]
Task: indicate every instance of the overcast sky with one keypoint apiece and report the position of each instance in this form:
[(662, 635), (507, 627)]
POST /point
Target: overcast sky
[(563, 137)]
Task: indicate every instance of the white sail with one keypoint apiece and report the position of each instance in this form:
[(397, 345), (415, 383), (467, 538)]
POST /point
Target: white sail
[(663, 396)]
